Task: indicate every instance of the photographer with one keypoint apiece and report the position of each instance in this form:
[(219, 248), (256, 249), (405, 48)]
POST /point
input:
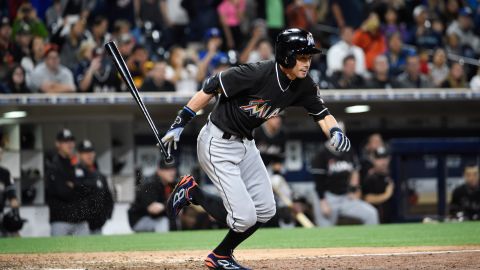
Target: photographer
[(94, 73)]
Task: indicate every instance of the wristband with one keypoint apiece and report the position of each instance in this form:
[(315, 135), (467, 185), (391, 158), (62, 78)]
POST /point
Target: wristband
[(183, 118), (335, 129)]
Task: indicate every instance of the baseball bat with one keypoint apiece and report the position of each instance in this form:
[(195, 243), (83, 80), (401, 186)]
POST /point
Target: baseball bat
[(117, 58)]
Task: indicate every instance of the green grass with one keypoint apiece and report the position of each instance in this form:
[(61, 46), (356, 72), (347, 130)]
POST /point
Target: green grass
[(343, 236)]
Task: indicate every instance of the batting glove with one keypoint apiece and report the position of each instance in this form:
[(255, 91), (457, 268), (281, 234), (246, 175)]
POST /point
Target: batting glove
[(338, 140), (176, 129)]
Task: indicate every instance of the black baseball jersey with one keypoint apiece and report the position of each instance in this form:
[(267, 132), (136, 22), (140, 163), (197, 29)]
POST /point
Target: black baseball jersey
[(467, 200), (7, 189), (375, 183), (253, 93), (332, 171)]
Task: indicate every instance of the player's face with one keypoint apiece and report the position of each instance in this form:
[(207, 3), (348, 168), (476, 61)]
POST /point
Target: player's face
[(168, 175), (87, 158), (471, 176), (65, 148), (300, 70)]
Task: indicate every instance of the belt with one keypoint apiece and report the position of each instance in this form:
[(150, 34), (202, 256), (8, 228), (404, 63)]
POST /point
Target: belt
[(223, 134)]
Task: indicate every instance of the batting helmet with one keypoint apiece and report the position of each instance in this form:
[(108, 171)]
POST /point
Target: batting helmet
[(291, 42), (12, 222)]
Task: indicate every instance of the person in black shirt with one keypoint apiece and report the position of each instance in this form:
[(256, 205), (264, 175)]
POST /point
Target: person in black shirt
[(377, 187), (66, 197), (7, 192), (338, 187), (465, 204), (247, 95), (147, 213), (347, 78), (380, 76), (100, 200)]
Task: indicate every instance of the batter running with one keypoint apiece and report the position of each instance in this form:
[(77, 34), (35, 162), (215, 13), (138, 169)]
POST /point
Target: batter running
[(248, 95)]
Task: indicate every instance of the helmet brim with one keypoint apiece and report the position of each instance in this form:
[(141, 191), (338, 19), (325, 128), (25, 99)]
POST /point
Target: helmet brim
[(311, 50)]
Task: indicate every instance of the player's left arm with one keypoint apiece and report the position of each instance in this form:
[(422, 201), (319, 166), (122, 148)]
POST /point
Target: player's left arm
[(338, 139)]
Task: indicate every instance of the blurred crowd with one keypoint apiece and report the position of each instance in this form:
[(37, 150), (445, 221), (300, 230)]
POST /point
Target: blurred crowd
[(56, 46)]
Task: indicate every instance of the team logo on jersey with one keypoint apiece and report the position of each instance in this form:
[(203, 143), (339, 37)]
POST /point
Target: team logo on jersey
[(260, 109)]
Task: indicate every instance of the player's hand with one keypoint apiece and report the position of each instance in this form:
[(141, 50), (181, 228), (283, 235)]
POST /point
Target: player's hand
[(339, 141), (171, 138), (155, 208)]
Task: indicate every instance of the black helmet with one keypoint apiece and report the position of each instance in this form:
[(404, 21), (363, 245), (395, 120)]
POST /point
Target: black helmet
[(291, 42), (12, 222)]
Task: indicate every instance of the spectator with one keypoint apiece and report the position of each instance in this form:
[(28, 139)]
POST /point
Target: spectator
[(453, 44), (50, 76), (147, 213), (16, 83), (465, 204), (231, 13), (94, 72), (377, 187), (374, 141), (77, 7), (151, 15), (396, 54), (380, 78), (27, 15), (202, 15), (258, 47), (475, 82), (156, 79), (100, 200), (463, 28), (423, 35), (210, 57), (5, 42), (301, 15), (99, 31), (272, 11), (456, 77), (348, 13), (53, 15), (392, 26), (7, 192), (120, 10), (341, 49), (177, 20), (370, 39), (338, 187), (182, 73), (35, 56), (69, 41), (412, 78), (138, 64), (438, 68), (126, 43), (66, 198), (21, 45), (347, 78)]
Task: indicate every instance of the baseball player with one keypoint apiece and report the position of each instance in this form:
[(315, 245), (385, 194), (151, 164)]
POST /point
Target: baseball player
[(248, 95)]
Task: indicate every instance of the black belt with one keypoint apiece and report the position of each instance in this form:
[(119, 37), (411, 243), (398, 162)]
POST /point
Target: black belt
[(226, 136)]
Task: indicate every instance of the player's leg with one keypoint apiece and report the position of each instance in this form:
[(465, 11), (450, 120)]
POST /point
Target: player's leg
[(257, 182), (360, 210), (321, 219)]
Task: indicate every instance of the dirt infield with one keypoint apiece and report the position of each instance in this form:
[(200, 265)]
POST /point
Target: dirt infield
[(454, 257)]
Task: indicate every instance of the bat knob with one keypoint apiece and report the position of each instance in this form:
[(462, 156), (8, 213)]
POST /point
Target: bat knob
[(169, 160)]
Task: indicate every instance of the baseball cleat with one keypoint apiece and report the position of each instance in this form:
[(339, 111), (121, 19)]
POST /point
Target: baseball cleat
[(217, 262), (180, 196)]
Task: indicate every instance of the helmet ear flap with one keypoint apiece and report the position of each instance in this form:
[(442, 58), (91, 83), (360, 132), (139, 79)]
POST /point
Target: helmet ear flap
[(290, 60)]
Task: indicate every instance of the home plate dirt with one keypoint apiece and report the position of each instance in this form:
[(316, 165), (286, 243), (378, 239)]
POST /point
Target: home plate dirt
[(454, 257)]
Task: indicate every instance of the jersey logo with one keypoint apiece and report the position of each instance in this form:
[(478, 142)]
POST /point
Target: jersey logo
[(260, 109)]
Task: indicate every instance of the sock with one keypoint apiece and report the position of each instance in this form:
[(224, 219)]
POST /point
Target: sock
[(211, 203), (233, 239)]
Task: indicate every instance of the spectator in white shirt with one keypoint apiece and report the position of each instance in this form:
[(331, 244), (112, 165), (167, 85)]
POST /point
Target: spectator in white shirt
[(341, 49)]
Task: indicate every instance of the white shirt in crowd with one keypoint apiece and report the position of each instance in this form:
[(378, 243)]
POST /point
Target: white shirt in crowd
[(187, 84), (340, 50), (176, 12), (42, 74)]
